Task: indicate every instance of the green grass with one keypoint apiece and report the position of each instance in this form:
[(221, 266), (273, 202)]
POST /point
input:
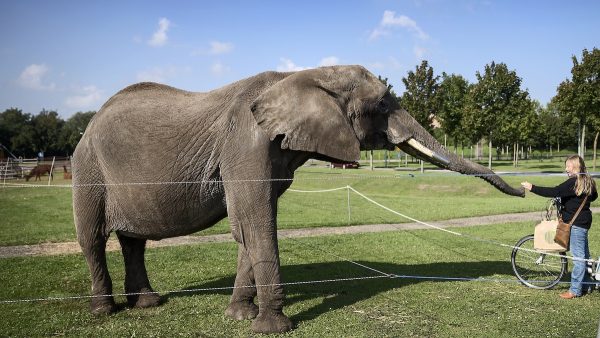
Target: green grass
[(40, 214), (34, 215), (387, 307), (383, 307)]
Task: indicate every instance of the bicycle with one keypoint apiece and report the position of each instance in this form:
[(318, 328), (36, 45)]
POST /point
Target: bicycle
[(542, 270)]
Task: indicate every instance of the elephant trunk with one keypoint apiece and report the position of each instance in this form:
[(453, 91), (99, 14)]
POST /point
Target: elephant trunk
[(412, 138)]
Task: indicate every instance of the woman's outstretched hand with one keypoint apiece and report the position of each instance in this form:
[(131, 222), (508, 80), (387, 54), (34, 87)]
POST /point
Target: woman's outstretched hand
[(526, 185)]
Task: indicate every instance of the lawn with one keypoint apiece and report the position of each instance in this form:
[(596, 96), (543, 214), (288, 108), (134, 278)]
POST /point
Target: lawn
[(495, 305)]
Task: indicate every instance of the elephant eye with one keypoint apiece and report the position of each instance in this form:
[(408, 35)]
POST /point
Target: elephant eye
[(382, 106)]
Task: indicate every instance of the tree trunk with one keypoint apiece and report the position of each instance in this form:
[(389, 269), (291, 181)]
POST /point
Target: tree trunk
[(595, 144), (371, 159), (490, 153), (583, 142)]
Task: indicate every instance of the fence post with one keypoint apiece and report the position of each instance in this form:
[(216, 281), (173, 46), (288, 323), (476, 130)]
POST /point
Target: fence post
[(51, 169), (6, 171), (348, 191)]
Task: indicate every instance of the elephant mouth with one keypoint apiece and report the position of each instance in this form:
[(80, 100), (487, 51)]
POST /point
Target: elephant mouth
[(416, 149)]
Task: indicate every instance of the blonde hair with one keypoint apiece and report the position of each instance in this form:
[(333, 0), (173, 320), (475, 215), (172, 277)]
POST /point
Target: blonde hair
[(585, 184)]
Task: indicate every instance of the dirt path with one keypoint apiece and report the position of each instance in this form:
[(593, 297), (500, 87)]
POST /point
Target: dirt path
[(73, 247)]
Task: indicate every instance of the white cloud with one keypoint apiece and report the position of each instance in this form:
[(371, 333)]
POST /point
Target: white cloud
[(217, 47), (376, 65), (159, 38), (32, 77), (394, 64), (378, 32), (329, 61), (391, 21), (391, 64), (89, 96), (288, 65), (151, 75), (161, 74), (218, 68), (419, 52)]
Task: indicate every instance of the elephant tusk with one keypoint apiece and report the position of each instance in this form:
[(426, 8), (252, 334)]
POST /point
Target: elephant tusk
[(426, 151)]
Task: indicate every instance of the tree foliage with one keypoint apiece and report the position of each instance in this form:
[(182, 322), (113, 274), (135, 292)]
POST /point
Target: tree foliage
[(73, 129), (25, 134), (579, 97), (420, 98), (493, 101), (452, 94)]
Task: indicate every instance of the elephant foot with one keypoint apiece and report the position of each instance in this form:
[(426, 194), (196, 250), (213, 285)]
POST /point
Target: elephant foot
[(103, 305), (242, 310), (144, 300), (271, 322)]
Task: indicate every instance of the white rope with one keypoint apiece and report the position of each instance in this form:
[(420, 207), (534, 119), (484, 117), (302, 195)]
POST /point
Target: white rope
[(469, 236), (310, 191), (402, 215)]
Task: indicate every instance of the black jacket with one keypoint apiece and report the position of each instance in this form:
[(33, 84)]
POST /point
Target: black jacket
[(569, 201)]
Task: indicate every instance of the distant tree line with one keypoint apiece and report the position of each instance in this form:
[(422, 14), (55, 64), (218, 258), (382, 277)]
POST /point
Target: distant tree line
[(498, 110), (25, 135)]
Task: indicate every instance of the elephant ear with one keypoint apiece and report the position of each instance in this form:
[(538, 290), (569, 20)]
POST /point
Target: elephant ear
[(308, 115)]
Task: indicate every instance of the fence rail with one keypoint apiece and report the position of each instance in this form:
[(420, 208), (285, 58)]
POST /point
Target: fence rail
[(12, 169)]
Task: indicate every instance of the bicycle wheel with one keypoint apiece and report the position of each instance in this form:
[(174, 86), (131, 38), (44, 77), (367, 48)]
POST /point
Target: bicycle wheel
[(536, 269)]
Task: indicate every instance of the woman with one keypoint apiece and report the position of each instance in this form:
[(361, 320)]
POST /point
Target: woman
[(572, 193)]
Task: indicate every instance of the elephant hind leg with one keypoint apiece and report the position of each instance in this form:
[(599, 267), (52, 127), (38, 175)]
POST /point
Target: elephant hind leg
[(102, 300), (136, 276), (242, 305), (88, 207)]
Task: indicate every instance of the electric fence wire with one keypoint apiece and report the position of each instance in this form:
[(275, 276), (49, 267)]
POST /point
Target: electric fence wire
[(330, 177)]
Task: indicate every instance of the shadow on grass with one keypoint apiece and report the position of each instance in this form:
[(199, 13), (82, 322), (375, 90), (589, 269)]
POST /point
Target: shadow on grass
[(339, 294)]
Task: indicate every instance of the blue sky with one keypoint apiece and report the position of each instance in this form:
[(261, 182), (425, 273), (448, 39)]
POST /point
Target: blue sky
[(72, 56)]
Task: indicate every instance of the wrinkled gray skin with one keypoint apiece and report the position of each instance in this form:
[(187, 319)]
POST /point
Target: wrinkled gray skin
[(231, 143)]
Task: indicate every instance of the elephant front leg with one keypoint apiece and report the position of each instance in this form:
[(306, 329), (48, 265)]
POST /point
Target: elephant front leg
[(270, 318), (242, 301), (253, 207)]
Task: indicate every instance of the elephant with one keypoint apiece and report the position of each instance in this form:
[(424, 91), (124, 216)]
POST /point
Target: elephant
[(158, 162)]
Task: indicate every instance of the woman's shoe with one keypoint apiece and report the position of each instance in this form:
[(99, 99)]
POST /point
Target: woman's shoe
[(568, 295)]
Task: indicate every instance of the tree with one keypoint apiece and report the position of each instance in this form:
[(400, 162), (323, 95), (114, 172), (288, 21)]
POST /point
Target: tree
[(493, 103), (16, 131), (389, 87), (452, 94), (586, 81), (420, 98), (73, 129), (47, 126), (579, 97)]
